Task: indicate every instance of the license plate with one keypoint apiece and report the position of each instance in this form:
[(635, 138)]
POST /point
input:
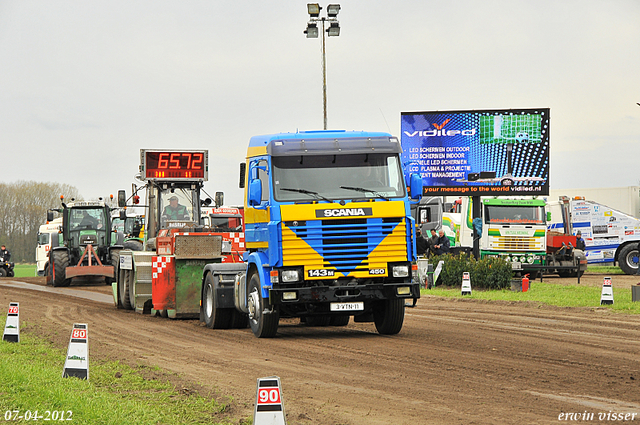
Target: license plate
[(516, 265), (347, 306)]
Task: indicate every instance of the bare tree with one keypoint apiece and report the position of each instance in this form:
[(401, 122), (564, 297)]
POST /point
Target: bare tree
[(23, 208)]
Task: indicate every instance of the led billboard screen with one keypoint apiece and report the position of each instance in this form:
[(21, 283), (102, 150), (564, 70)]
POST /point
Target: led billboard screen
[(480, 152)]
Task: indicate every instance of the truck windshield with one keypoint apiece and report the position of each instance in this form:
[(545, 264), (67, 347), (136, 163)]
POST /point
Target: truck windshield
[(305, 178), (511, 214)]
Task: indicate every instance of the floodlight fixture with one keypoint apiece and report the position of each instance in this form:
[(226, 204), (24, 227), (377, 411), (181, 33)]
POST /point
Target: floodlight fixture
[(311, 31), (313, 9), (333, 10), (333, 30)]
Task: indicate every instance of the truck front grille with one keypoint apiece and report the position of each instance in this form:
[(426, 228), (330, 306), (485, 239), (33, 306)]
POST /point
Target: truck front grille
[(345, 244)]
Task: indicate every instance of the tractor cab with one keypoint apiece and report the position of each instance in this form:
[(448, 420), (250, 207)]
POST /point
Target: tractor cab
[(86, 223), (173, 206)]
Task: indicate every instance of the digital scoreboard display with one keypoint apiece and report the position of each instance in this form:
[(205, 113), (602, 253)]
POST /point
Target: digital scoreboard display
[(174, 165)]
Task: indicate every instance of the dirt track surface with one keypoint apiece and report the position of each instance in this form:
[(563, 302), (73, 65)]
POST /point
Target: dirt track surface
[(455, 361)]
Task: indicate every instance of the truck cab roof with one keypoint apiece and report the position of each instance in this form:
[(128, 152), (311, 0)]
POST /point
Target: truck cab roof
[(323, 142)]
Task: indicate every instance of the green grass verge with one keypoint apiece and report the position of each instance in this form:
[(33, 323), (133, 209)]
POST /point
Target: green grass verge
[(31, 376), (604, 270), (551, 294), (24, 270)]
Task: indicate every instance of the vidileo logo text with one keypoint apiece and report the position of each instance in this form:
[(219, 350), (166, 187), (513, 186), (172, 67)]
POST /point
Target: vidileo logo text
[(440, 131), (345, 212)]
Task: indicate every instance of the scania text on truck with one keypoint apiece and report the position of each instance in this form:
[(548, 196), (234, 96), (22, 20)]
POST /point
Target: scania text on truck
[(328, 231)]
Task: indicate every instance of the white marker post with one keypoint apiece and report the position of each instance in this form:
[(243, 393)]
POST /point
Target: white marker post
[(437, 271), (77, 363), (12, 326), (269, 406), (466, 283), (607, 292)]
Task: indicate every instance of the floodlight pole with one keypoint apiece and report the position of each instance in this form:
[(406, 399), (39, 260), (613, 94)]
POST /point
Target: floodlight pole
[(324, 78), (334, 30)]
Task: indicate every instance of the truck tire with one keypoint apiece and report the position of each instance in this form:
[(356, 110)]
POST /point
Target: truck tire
[(342, 320), (115, 262), (239, 320), (262, 325), (123, 289), (626, 256), (131, 289), (60, 264), (388, 316), (323, 320), (133, 245), (214, 317)]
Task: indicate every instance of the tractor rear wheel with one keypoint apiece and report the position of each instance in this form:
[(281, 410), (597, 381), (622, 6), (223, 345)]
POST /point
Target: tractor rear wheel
[(59, 267), (123, 289), (133, 245), (115, 262)]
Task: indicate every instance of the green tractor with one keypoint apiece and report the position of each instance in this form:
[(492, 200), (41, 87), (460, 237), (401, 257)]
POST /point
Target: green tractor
[(131, 227), (87, 246)]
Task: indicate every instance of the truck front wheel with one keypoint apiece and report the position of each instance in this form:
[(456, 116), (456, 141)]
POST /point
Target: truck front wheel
[(388, 316), (263, 325), (214, 317), (628, 258)]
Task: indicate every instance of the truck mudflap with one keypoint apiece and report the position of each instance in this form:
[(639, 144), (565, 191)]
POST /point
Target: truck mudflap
[(327, 294)]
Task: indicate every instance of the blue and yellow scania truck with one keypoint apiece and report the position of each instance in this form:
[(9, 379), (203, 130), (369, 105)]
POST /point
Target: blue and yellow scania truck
[(328, 232)]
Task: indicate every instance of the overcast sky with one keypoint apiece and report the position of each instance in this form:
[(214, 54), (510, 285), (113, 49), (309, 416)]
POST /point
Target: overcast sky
[(84, 85)]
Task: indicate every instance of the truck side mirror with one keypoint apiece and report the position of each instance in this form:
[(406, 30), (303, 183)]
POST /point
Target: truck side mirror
[(415, 186), (243, 173), (255, 192), (123, 215), (122, 198), (219, 199), (49, 215)]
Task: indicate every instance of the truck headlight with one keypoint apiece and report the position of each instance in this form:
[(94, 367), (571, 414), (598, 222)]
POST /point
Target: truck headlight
[(289, 276), (401, 271), (289, 296), (404, 290)]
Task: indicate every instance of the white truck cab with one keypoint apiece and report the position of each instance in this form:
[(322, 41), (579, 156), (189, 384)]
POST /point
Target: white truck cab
[(45, 235)]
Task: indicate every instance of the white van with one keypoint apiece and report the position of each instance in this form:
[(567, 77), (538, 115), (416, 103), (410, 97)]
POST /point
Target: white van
[(45, 235)]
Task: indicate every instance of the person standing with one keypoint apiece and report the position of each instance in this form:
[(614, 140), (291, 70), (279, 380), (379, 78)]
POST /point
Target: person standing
[(422, 245), (579, 241), (433, 241)]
